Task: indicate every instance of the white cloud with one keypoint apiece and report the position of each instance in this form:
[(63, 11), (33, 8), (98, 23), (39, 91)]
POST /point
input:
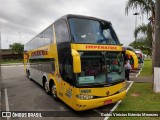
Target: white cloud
[(29, 17)]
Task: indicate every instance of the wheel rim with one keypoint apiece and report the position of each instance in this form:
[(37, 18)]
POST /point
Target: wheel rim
[(46, 86), (54, 91), (28, 74)]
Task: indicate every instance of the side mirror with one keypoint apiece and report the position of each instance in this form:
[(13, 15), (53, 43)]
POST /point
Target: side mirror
[(76, 61)]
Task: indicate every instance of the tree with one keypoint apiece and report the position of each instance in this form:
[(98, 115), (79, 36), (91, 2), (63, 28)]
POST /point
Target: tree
[(17, 47), (142, 46), (144, 34), (157, 35), (144, 7), (144, 39), (156, 79)]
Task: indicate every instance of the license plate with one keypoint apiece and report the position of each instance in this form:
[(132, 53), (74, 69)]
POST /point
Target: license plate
[(107, 102)]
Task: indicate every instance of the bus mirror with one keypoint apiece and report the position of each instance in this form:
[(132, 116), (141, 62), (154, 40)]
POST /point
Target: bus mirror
[(76, 62)]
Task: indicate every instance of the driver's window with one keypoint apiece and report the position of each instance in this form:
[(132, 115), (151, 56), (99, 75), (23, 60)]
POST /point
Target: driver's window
[(108, 36), (107, 33)]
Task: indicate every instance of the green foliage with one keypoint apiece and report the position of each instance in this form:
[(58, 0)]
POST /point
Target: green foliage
[(17, 47), (144, 32), (142, 45), (144, 40), (9, 61), (139, 98), (143, 29), (143, 6)]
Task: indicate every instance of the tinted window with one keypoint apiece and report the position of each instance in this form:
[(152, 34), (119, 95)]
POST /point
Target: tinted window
[(46, 65), (92, 31), (67, 70), (98, 68), (61, 30), (48, 35), (44, 38)]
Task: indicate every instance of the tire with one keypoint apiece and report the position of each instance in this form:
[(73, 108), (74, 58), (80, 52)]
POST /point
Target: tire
[(46, 86), (53, 91), (27, 73)]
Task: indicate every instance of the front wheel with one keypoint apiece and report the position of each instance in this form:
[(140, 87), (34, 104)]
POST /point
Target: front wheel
[(54, 91)]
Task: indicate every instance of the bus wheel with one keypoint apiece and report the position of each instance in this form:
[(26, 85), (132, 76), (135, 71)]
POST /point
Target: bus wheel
[(27, 73), (54, 91), (46, 86)]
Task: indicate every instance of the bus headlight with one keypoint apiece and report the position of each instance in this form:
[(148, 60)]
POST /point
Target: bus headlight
[(84, 97)]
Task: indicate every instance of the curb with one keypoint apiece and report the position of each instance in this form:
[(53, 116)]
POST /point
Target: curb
[(11, 64), (142, 79)]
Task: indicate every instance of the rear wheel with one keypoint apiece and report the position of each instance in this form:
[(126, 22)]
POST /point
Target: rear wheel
[(27, 73), (54, 91), (46, 86)]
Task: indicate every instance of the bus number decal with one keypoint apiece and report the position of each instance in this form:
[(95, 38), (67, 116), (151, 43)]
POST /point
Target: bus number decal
[(86, 91)]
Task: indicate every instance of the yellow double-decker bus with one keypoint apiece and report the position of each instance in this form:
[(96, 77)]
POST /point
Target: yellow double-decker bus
[(79, 60)]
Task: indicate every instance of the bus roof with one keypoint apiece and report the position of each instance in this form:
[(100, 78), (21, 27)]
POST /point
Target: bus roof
[(80, 16), (71, 16)]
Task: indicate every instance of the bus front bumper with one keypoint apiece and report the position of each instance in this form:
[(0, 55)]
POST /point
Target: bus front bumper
[(94, 103)]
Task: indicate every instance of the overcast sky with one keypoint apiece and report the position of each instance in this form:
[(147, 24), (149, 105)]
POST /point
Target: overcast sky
[(21, 20)]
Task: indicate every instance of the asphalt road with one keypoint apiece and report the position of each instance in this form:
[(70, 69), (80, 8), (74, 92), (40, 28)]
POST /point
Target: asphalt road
[(26, 95)]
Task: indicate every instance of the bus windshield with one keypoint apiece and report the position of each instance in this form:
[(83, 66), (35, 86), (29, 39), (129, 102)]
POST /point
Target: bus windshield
[(92, 31), (100, 68)]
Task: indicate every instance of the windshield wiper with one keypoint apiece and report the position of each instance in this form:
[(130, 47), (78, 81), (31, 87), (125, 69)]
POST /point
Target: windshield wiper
[(101, 40), (97, 83), (94, 84), (117, 81)]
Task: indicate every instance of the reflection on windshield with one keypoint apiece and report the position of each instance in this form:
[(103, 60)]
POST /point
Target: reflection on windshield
[(99, 68), (91, 31), (92, 68), (115, 67)]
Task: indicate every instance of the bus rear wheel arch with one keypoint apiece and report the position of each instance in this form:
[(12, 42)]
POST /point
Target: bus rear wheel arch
[(45, 85), (53, 89), (27, 73)]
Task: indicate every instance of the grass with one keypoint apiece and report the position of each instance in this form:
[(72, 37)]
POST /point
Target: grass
[(7, 61), (147, 68), (139, 98)]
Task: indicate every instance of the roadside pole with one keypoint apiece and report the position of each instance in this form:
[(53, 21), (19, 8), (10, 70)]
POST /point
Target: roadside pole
[(156, 87), (0, 56)]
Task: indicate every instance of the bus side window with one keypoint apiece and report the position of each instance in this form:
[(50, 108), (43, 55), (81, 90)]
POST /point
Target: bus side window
[(67, 70), (61, 30), (47, 65)]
